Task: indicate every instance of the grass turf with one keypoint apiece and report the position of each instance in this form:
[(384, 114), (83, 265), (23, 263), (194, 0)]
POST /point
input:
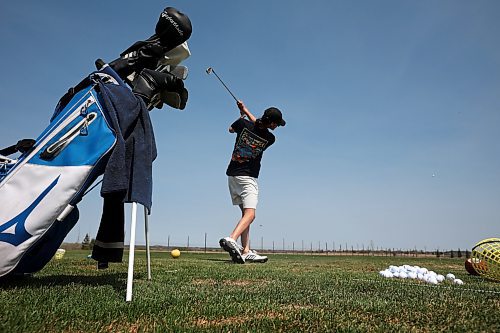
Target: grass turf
[(205, 292)]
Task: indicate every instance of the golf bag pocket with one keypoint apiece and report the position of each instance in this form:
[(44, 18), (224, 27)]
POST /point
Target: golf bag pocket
[(39, 191), (5, 165)]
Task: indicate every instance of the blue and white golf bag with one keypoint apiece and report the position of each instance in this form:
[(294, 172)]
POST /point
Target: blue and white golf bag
[(39, 191), (101, 126)]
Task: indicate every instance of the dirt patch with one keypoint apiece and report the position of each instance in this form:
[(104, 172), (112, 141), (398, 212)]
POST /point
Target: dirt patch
[(237, 320), (204, 282), (234, 283)]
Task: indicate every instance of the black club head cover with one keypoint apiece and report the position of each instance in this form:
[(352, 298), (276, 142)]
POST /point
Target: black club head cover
[(149, 83), (172, 29)]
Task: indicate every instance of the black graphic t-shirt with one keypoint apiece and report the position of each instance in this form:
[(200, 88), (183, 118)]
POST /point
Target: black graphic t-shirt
[(251, 142)]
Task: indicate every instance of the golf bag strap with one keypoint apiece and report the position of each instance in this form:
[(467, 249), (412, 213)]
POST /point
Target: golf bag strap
[(69, 95), (21, 146)]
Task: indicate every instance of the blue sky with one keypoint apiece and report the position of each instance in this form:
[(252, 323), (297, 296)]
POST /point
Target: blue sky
[(392, 112)]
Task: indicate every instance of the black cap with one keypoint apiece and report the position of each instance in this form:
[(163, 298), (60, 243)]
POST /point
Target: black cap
[(273, 115)]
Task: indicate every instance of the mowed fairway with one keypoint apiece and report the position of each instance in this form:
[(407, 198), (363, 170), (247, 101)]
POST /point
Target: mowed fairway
[(205, 292)]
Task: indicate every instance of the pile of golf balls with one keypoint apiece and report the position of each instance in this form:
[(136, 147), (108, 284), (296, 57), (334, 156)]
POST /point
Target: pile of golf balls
[(418, 273)]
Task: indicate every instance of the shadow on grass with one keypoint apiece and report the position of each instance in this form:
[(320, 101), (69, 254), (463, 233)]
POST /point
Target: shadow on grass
[(218, 260), (116, 280)]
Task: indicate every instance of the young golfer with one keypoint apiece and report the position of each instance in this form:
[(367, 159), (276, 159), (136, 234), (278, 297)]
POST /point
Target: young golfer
[(252, 138)]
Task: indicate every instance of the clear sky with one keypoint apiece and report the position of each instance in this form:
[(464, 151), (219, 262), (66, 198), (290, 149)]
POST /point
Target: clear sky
[(392, 110)]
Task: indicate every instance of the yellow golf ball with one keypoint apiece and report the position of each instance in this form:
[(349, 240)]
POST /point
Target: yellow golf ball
[(175, 254)]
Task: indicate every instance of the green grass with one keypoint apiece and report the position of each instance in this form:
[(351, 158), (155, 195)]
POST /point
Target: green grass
[(204, 292)]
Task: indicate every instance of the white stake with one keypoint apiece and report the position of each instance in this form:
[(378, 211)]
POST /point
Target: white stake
[(130, 276), (148, 254)]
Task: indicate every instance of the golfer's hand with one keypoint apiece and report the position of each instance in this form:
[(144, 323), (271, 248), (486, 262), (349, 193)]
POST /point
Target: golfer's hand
[(242, 108), (245, 112), (241, 105)]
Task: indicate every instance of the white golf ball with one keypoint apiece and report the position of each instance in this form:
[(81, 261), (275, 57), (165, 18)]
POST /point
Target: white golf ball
[(440, 278), (412, 275), (458, 281), (432, 280), (450, 276), (403, 275)]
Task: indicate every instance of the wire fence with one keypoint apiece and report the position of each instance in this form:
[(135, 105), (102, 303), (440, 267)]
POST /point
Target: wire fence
[(302, 247)]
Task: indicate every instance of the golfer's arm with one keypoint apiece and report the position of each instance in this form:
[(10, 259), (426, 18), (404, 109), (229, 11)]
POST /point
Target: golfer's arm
[(250, 116), (246, 112)]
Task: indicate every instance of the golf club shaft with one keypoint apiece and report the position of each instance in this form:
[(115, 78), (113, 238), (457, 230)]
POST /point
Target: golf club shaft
[(224, 85)]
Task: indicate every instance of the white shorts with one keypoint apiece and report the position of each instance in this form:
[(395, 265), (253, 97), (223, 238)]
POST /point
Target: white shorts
[(244, 191)]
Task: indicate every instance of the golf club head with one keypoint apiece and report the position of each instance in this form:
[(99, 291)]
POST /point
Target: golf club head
[(180, 71), (209, 70)]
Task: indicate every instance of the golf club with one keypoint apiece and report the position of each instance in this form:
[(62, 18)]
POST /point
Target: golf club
[(211, 70)]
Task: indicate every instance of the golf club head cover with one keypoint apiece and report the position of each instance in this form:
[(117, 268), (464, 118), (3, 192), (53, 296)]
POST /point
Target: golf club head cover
[(146, 55), (177, 100), (173, 29), (149, 83)]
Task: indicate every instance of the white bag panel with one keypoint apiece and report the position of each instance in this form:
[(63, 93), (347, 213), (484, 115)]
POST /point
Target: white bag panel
[(32, 201)]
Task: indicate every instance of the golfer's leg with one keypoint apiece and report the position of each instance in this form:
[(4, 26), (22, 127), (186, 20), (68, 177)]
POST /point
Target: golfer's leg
[(245, 240), (245, 235), (243, 225)]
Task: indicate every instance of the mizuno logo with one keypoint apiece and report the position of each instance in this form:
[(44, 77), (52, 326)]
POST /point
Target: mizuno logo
[(21, 235)]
